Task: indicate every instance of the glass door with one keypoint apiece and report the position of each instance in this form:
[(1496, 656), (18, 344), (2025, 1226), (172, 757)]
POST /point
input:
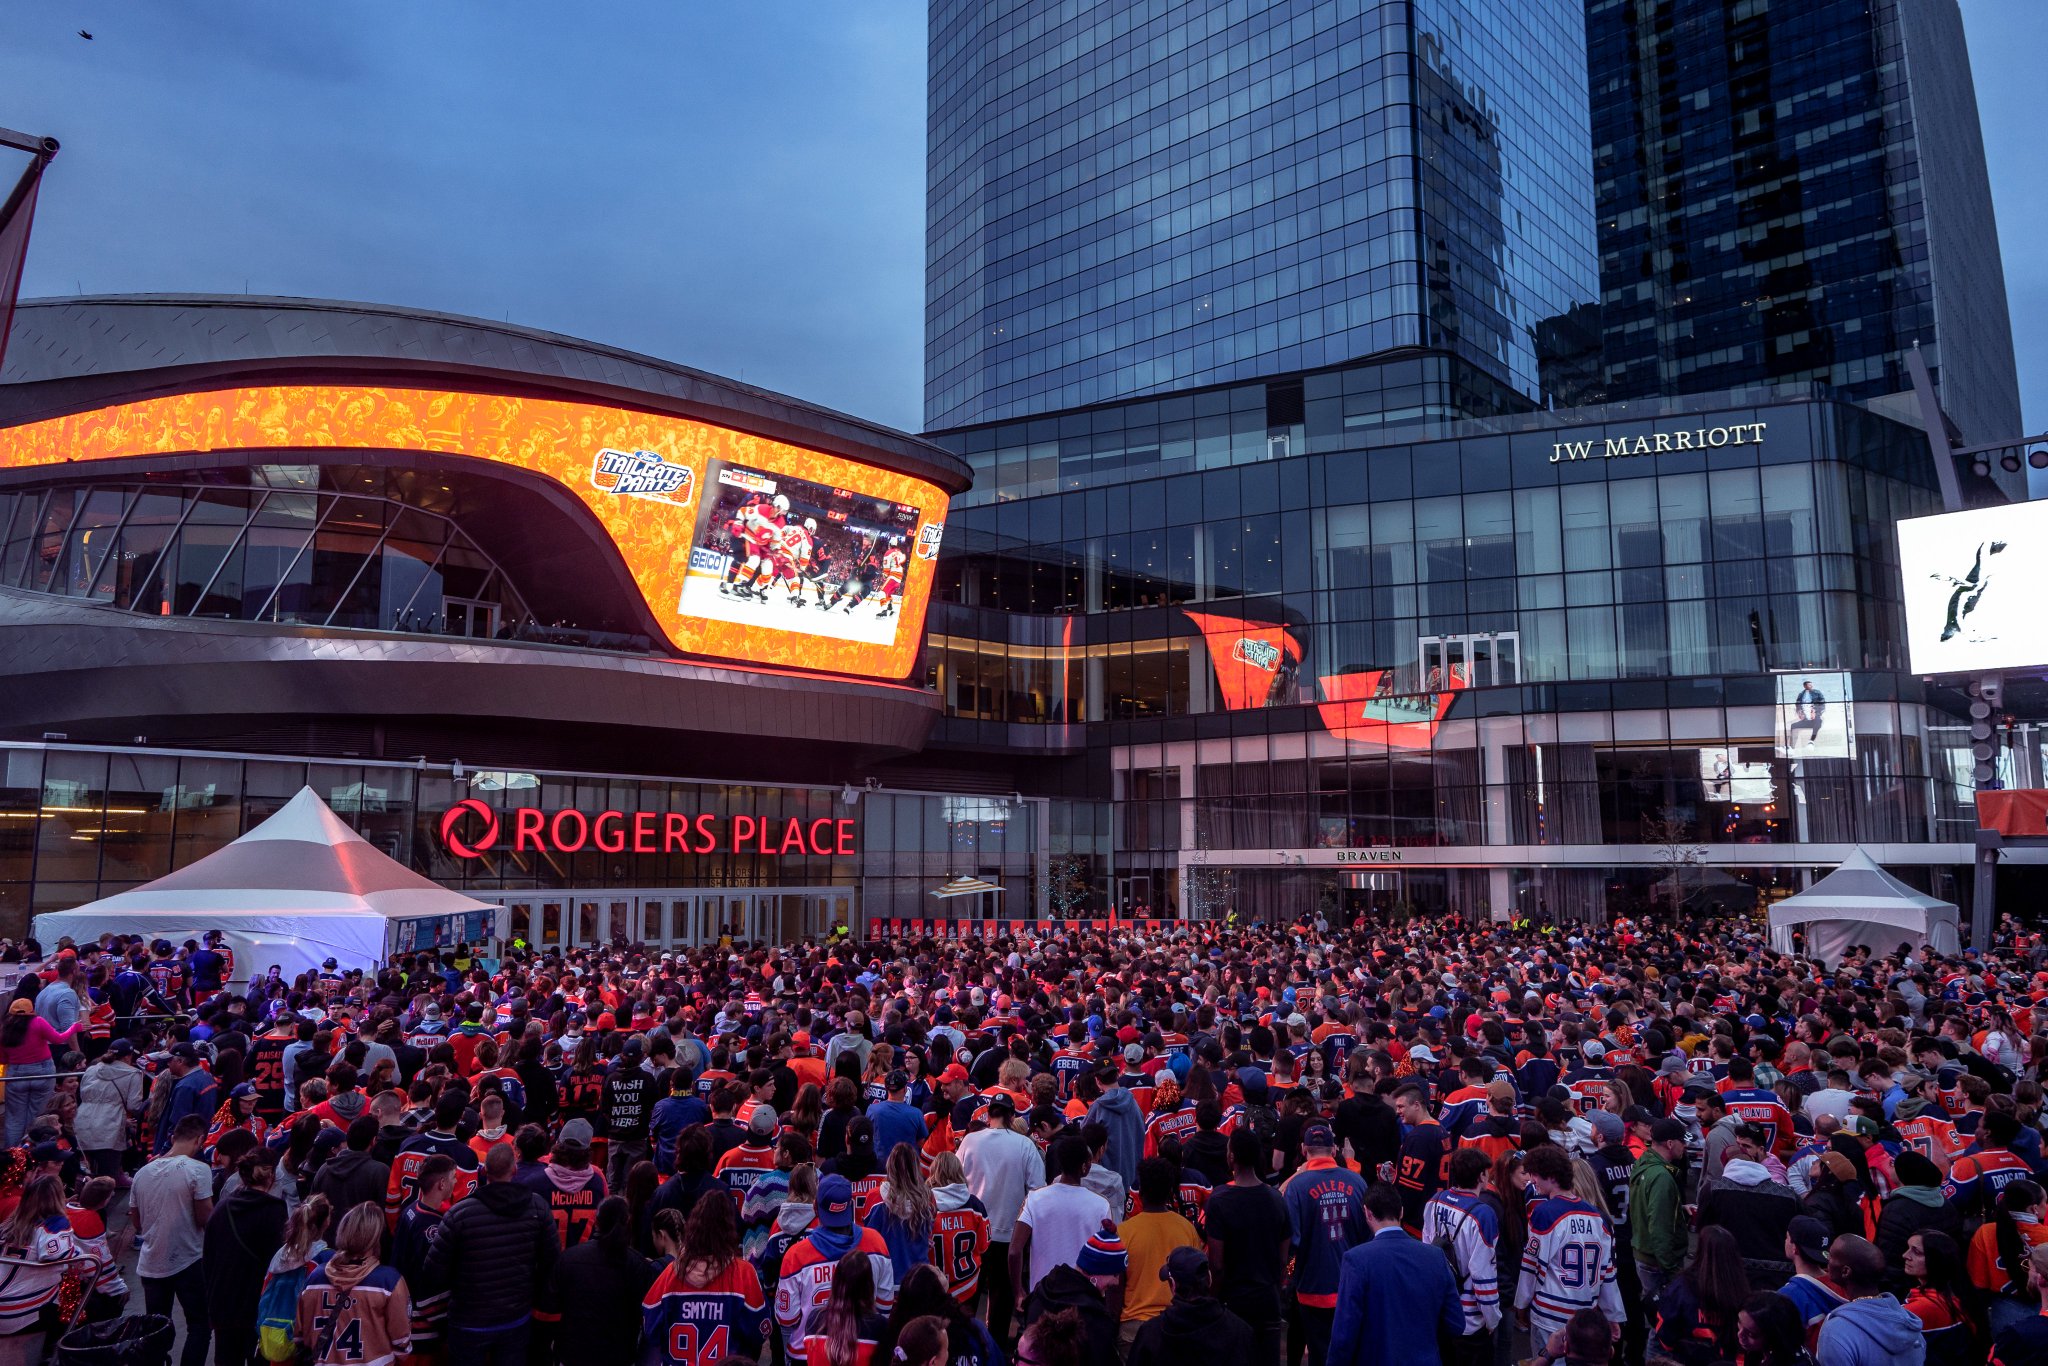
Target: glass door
[(549, 933), (617, 925), (652, 927)]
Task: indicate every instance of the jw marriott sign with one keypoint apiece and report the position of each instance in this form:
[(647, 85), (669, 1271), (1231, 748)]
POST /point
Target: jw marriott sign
[(1659, 443)]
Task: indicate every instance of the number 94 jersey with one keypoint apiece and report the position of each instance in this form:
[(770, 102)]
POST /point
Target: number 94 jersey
[(725, 1319)]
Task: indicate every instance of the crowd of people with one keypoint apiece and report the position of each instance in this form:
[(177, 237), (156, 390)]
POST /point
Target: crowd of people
[(1432, 1141)]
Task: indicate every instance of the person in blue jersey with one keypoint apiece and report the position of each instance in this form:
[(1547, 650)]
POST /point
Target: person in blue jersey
[(1326, 1208), (707, 1305)]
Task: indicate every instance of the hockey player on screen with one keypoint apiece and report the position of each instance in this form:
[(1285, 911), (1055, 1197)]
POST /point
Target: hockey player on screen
[(894, 562), (763, 527), (853, 589), (794, 554)]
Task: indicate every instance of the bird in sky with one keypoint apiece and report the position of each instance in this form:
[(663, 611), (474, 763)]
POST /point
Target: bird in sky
[(83, 34)]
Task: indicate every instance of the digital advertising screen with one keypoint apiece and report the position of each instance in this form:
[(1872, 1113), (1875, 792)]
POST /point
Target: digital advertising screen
[(1727, 778), (1973, 589), (663, 489), (777, 553), (1816, 716)]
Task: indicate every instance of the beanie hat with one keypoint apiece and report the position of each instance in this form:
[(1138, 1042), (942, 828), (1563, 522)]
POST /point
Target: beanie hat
[(1103, 1254)]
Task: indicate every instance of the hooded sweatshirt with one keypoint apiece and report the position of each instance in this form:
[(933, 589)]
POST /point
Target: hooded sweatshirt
[(1117, 1111), (1192, 1329), (1877, 1331), (960, 1233), (1745, 1200), (359, 1311)]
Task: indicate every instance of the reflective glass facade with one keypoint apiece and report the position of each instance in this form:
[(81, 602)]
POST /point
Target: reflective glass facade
[(292, 550), (1796, 193), (1486, 663), (1143, 196), (80, 823)]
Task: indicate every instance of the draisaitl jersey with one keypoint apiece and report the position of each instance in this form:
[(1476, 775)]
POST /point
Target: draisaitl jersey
[(725, 1319), (1567, 1265), (1976, 1178), (806, 1283)]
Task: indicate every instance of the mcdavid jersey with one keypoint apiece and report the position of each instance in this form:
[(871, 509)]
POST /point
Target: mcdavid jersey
[(1567, 1265), (1467, 1225), (725, 1320), (1760, 1106)]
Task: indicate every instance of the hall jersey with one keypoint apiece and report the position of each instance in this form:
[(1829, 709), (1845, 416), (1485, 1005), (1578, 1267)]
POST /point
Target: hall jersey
[(1467, 1225), (685, 1325), (1567, 1265)]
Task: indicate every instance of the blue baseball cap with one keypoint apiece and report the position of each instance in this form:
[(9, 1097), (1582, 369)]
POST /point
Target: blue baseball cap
[(835, 1202)]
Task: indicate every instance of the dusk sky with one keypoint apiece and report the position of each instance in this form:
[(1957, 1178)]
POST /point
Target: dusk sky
[(732, 184)]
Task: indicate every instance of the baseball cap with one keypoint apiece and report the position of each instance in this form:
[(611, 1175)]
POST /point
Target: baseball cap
[(1592, 1048), (1608, 1125), (185, 1051), (1667, 1131), (954, 1072), (1134, 1053), (1185, 1265), (835, 1202), (1862, 1126), (1638, 1114), (1810, 1236), (1001, 1104), (1318, 1136), (1422, 1052), (46, 1152), (763, 1121), (577, 1131)]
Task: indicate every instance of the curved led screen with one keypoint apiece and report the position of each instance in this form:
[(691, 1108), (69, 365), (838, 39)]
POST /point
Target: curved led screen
[(744, 548)]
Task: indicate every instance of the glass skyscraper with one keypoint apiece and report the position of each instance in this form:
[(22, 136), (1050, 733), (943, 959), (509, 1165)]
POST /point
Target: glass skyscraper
[(1796, 193), (1148, 196)]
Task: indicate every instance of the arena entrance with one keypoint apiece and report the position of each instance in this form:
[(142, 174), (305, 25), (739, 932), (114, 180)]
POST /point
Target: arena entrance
[(674, 918)]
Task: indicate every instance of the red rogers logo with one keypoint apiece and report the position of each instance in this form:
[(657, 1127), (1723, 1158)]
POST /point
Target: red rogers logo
[(452, 817)]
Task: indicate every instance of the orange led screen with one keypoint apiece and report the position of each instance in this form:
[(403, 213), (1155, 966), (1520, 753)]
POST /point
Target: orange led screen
[(693, 508)]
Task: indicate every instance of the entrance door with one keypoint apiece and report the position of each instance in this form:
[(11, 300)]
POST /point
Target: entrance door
[(587, 924), (651, 923), (617, 923), (548, 934)]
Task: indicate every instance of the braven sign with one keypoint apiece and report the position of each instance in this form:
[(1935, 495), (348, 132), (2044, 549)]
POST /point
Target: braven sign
[(472, 828), (1659, 443)]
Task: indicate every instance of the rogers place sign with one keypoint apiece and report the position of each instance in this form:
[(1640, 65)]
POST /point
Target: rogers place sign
[(473, 828)]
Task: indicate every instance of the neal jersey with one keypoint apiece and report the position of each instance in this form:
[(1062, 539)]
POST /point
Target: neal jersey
[(959, 1242)]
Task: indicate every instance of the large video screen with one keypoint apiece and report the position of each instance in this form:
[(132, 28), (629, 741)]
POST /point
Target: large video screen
[(664, 489), (1973, 584), (781, 553)]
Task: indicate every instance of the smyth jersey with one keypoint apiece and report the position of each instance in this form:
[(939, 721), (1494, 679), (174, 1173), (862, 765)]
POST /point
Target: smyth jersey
[(1568, 1265), (685, 1325)]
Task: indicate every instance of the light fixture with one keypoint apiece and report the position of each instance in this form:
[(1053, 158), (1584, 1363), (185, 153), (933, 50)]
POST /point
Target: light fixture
[(456, 772)]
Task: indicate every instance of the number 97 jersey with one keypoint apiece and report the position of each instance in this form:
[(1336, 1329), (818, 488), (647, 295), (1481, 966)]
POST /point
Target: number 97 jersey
[(1567, 1265)]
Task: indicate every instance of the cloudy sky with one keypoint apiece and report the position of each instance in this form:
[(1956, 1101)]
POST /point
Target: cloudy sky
[(733, 184)]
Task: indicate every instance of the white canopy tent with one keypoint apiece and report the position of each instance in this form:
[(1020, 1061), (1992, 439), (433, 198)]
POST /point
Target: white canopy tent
[(1860, 903), (298, 889)]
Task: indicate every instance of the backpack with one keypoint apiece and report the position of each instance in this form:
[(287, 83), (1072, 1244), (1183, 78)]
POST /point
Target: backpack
[(277, 1314)]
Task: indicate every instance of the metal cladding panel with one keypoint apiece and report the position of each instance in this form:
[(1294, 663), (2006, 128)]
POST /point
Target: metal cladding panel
[(67, 664)]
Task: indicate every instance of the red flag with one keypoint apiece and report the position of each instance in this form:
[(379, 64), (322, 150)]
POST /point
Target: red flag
[(15, 218)]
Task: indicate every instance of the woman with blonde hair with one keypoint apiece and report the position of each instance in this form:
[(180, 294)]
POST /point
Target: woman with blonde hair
[(39, 1246), (904, 1213), (355, 1311)]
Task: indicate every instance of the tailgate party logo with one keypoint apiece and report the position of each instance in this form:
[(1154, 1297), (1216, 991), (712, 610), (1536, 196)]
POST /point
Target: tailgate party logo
[(1260, 654), (928, 540), (640, 474)]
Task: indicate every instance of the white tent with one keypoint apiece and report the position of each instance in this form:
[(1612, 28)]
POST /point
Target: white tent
[(1860, 903), (299, 888)]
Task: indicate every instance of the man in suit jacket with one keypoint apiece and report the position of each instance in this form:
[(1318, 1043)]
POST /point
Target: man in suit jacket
[(1391, 1286)]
